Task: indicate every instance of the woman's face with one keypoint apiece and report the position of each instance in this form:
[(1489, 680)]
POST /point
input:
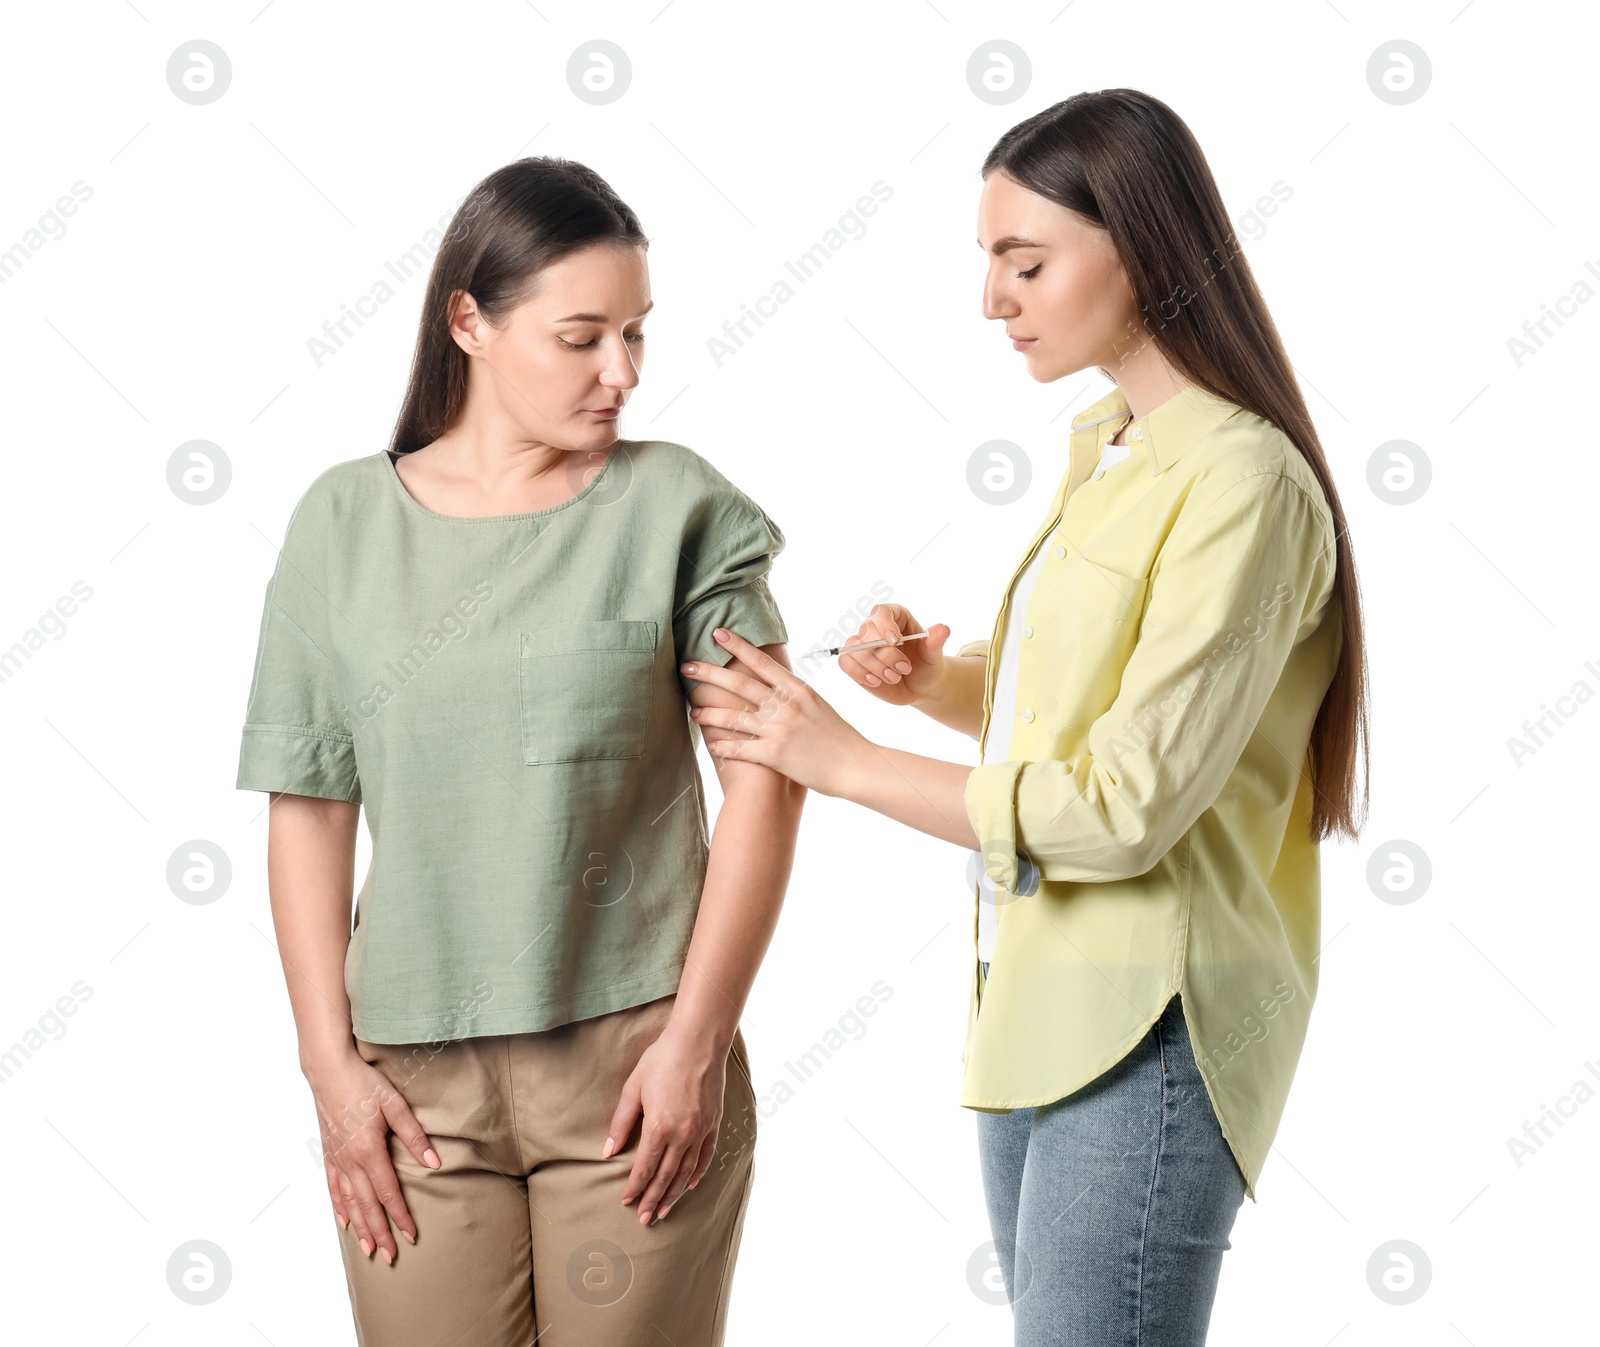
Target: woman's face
[(1056, 282), (567, 358)]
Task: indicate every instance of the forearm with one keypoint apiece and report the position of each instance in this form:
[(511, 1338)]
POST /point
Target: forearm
[(310, 877), (752, 853), (958, 700), (927, 794)]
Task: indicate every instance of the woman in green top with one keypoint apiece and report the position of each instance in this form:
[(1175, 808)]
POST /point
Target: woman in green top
[(477, 634)]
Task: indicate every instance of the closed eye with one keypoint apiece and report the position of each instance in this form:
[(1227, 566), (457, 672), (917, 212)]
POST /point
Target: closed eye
[(584, 346), (1030, 273)]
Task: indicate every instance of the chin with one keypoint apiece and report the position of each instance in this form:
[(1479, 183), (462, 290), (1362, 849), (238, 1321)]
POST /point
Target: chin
[(600, 434), (1046, 369)]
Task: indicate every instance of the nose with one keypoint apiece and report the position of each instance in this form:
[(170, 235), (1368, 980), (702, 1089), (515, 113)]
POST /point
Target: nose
[(621, 367), (997, 298)]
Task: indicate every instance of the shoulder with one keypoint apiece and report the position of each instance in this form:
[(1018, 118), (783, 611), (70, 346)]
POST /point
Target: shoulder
[(1247, 455), (690, 483), (668, 463), (336, 497), (346, 487)]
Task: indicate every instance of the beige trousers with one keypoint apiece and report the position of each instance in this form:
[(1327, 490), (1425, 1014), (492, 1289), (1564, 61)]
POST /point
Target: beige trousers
[(521, 1233)]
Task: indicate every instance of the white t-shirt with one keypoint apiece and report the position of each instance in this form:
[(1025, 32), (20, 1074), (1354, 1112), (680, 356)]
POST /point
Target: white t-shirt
[(1002, 716)]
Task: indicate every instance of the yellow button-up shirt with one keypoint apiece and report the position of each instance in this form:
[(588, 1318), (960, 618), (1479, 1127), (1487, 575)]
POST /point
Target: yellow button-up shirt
[(1175, 649)]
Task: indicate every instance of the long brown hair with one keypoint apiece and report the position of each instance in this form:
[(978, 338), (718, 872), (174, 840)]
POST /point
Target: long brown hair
[(1127, 162), (508, 228)]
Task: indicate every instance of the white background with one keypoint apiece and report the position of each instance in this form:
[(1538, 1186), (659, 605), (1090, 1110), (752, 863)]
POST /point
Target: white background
[(218, 238)]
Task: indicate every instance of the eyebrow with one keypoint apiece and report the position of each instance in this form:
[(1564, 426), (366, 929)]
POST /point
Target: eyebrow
[(601, 318), (1011, 241)]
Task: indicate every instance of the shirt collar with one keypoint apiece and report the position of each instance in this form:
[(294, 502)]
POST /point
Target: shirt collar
[(1166, 433)]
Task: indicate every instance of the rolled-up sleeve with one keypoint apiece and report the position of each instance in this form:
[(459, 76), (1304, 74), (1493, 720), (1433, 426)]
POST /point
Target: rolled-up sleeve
[(297, 737), (724, 562), (1242, 577)]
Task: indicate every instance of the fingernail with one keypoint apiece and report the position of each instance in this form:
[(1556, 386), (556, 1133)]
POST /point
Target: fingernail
[(694, 713), (431, 1157), (903, 667), (610, 1146), (871, 681), (366, 1248), (688, 668), (388, 1257), (406, 1235), (664, 1212), (721, 634)]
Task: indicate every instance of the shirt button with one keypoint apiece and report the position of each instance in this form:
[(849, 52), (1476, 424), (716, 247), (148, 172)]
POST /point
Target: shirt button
[(1060, 552), (1138, 432), (1027, 630), (1027, 716)]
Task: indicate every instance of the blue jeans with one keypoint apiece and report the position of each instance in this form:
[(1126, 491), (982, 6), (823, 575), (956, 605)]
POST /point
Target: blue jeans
[(1111, 1207)]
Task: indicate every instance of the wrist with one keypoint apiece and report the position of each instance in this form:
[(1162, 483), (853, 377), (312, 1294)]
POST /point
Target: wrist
[(929, 698), (696, 1036), (319, 1062), (847, 771)]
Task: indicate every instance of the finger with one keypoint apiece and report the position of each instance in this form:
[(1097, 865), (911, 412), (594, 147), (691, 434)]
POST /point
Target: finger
[(731, 681), (672, 1159), (853, 669), (709, 694), (895, 624), (710, 732), (623, 1118), (907, 657), (889, 663), (703, 1162), (743, 749), (409, 1130), (372, 1224), (727, 720), (760, 663), (872, 663), (680, 1180), (358, 1220), (399, 1116), (652, 1146), (886, 616), (391, 1204), (331, 1172)]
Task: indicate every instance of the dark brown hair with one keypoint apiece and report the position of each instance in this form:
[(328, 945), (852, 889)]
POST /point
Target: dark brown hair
[(1126, 162), (511, 226)]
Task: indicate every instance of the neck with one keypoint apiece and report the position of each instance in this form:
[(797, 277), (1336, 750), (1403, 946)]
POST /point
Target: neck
[(1144, 376), (496, 455)]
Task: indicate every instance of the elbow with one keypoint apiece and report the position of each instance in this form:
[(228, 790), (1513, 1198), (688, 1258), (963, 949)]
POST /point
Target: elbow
[(1126, 856)]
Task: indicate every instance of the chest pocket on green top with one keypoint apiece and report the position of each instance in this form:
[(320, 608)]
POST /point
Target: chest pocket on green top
[(585, 690)]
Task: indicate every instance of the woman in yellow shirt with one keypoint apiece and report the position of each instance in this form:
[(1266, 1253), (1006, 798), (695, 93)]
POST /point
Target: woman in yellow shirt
[(1180, 679)]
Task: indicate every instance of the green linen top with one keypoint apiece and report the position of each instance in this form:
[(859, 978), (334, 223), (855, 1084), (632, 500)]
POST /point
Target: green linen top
[(503, 696)]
